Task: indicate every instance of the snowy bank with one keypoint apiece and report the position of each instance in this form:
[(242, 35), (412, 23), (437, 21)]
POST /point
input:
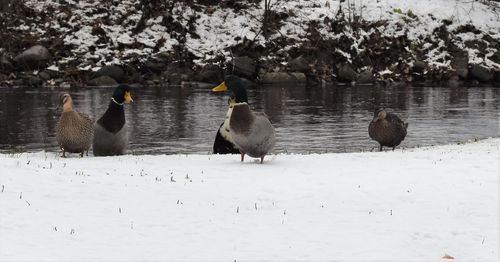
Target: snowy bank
[(413, 40), (406, 205)]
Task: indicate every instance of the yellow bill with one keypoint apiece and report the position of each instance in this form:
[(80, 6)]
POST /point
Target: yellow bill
[(220, 88), (128, 97)]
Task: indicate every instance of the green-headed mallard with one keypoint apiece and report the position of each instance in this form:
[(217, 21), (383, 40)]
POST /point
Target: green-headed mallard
[(387, 129), (251, 133), (223, 143), (74, 130), (110, 133)]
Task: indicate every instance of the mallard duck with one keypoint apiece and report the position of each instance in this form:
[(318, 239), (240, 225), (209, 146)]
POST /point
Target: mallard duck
[(387, 129), (252, 133), (224, 143), (110, 133), (74, 130)]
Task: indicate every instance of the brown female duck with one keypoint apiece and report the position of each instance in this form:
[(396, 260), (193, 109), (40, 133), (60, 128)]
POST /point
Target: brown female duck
[(387, 129), (74, 130)]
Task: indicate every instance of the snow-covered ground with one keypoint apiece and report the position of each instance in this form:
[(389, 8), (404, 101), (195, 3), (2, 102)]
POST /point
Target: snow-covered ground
[(407, 205)]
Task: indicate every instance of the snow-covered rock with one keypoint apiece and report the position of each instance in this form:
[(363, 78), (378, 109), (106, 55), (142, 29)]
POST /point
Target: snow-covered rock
[(34, 57)]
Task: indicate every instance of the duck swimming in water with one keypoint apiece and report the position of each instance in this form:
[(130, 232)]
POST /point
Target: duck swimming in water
[(252, 133), (74, 130), (387, 129), (110, 132)]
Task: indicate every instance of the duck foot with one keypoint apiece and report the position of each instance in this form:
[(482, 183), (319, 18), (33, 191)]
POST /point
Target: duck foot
[(242, 156)]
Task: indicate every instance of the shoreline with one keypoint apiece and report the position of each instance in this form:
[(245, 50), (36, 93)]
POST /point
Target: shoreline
[(381, 43)]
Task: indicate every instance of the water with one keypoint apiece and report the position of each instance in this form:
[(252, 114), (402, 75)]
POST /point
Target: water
[(184, 120)]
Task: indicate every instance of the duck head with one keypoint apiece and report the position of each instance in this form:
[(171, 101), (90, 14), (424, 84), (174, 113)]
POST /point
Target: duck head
[(235, 85), (379, 114), (66, 102), (122, 95)]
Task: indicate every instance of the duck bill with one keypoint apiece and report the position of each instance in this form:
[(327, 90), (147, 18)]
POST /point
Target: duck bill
[(220, 88), (128, 97)]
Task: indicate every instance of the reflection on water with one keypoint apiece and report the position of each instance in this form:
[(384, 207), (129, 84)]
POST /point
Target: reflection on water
[(329, 119)]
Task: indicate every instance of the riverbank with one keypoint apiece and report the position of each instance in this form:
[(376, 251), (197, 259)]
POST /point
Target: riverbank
[(452, 42), (417, 204)]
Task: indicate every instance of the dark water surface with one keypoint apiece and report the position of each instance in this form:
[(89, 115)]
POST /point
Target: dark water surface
[(184, 120)]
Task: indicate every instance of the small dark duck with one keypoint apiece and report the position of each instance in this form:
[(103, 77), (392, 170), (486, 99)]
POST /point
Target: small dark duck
[(110, 133), (251, 133), (223, 143), (387, 129), (74, 130)]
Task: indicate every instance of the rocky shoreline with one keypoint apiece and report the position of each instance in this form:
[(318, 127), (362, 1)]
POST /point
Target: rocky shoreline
[(35, 51)]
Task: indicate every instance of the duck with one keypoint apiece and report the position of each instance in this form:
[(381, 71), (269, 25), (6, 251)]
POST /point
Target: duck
[(110, 132), (74, 130), (251, 133), (224, 143), (387, 129)]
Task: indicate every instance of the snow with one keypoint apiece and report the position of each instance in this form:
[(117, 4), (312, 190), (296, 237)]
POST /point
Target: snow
[(404, 205), (219, 29)]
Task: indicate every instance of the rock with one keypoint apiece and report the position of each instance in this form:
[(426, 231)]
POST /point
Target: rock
[(113, 71), (154, 66), (481, 73), (364, 59), (102, 81), (6, 64), (176, 74), (244, 66), (460, 63), (495, 57), (44, 75), (455, 83), (210, 74), (35, 57), (346, 74), (366, 77), (32, 80), (299, 64), (284, 78), (132, 75), (497, 77), (419, 66), (3, 77)]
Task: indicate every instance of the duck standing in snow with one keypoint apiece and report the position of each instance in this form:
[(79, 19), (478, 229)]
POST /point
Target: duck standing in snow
[(224, 143), (387, 129), (74, 130), (110, 133), (251, 133)]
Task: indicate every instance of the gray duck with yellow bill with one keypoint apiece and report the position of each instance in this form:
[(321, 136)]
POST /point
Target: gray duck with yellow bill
[(74, 130), (110, 132), (387, 129), (252, 133)]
